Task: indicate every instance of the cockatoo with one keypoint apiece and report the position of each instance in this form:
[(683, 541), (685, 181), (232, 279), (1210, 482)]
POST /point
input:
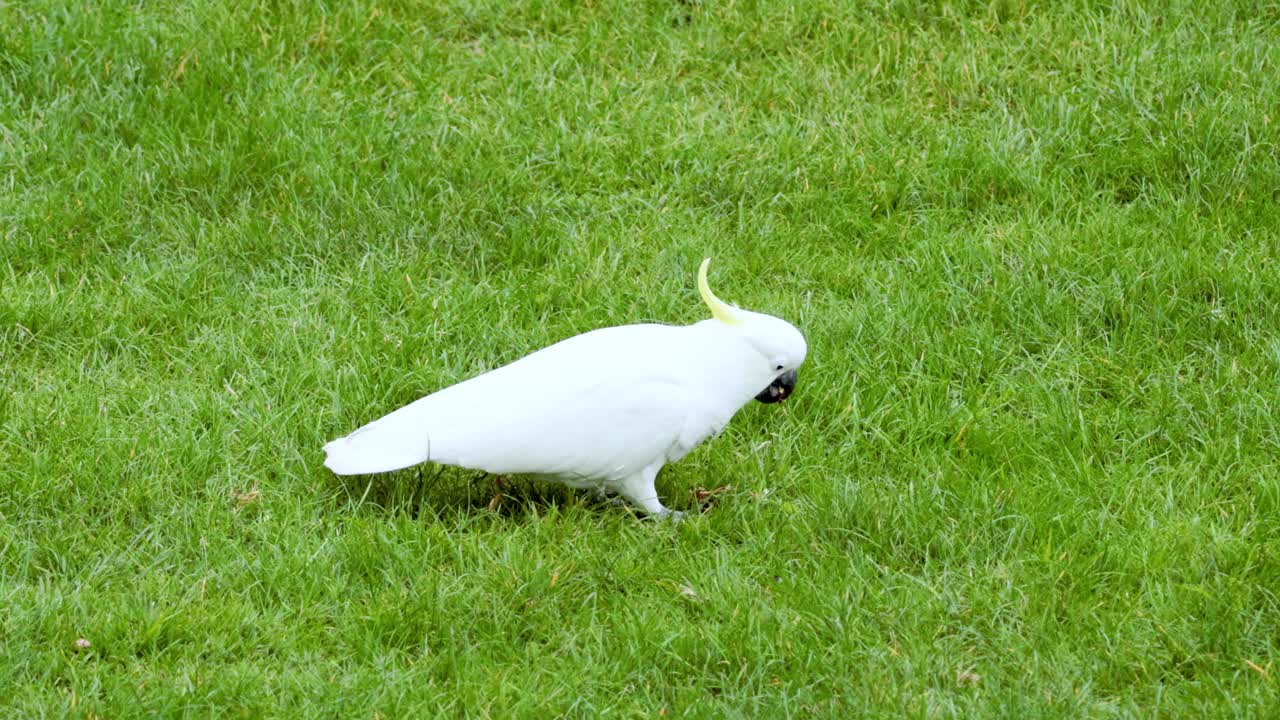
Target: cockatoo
[(604, 410)]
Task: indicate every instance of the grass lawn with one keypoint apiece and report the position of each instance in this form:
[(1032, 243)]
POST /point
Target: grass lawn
[(1032, 467)]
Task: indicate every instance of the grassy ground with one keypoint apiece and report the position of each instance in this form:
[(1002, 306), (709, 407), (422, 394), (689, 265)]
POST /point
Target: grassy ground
[(1030, 469)]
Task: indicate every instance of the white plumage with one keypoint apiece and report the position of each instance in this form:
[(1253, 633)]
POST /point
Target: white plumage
[(605, 409)]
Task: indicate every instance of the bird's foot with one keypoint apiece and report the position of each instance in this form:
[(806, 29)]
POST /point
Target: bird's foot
[(668, 515)]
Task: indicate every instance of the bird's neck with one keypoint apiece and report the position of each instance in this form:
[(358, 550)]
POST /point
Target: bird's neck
[(726, 364)]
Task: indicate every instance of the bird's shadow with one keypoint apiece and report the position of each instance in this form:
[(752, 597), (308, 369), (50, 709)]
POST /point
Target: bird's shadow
[(445, 491)]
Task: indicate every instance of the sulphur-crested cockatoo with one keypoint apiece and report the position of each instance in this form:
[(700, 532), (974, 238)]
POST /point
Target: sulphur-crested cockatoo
[(603, 410)]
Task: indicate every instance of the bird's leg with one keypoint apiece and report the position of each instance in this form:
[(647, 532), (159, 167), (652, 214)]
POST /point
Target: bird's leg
[(605, 497), (501, 484), (639, 490)]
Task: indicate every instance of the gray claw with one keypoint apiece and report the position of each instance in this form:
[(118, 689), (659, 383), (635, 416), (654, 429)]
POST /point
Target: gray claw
[(671, 516)]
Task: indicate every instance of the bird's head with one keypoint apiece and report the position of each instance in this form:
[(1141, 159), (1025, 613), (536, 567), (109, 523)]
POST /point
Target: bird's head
[(780, 345)]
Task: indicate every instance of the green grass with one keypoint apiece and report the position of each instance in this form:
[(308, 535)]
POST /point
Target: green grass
[(1031, 468)]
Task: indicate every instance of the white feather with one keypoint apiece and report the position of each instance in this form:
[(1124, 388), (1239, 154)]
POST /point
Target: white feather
[(604, 409), (604, 404)]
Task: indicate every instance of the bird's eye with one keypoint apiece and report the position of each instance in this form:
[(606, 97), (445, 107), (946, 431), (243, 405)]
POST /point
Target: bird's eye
[(778, 368)]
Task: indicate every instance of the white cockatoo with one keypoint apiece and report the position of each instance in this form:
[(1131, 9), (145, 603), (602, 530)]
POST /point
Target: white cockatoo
[(603, 410)]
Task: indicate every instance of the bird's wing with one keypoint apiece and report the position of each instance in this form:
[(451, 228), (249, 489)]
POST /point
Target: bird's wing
[(607, 431), (606, 428)]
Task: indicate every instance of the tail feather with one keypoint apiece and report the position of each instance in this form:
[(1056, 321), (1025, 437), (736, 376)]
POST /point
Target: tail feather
[(439, 427), (375, 448)]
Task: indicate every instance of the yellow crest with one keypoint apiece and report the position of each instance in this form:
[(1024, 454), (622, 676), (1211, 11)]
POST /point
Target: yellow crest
[(719, 309)]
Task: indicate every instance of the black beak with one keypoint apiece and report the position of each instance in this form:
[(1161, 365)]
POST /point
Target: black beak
[(779, 389)]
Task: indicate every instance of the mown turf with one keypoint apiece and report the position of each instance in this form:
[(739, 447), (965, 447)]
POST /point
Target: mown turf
[(1030, 469)]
